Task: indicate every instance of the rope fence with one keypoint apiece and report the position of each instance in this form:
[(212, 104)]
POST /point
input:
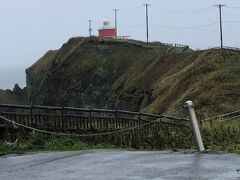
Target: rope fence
[(235, 115), (114, 124), (78, 135)]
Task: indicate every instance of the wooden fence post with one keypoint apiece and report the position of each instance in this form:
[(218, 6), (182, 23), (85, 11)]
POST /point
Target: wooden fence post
[(115, 118), (62, 113), (31, 114), (139, 119), (90, 119), (3, 131), (62, 117)]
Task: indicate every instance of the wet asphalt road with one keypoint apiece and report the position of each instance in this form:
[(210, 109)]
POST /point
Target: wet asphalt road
[(114, 164)]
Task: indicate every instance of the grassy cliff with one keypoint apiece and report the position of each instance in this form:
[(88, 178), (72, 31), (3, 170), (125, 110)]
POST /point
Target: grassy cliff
[(135, 76)]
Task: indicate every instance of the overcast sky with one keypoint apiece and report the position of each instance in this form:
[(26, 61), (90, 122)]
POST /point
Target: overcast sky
[(29, 28)]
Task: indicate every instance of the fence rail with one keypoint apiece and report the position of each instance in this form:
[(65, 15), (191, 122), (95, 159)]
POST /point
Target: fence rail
[(176, 45), (228, 48), (79, 120), (235, 115), (219, 48)]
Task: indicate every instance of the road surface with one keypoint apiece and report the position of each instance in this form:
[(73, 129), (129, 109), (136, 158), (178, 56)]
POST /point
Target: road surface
[(115, 164)]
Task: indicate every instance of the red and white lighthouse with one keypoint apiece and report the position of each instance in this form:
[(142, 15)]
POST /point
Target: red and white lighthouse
[(107, 30)]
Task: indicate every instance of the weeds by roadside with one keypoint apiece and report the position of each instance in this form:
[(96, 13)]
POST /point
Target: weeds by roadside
[(217, 136), (37, 142), (222, 135)]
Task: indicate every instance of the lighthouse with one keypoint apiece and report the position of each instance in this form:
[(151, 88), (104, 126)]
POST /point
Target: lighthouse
[(107, 30)]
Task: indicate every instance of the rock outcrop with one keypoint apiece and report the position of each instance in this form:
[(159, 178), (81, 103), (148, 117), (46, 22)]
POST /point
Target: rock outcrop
[(15, 96), (132, 75)]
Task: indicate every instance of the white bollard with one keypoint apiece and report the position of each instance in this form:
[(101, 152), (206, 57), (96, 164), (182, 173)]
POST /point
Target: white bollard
[(195, 127)]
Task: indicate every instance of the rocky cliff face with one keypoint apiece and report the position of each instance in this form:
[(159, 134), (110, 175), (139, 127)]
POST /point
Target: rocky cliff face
[(82, 72), (130, 75)]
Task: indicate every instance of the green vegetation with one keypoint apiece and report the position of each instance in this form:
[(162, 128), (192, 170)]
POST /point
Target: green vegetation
[(37, 142), (82, 71), (133, 75), (217, 136), (222, 135)]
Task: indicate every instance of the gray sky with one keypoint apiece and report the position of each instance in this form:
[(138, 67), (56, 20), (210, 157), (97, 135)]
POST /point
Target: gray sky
[(30, 28)]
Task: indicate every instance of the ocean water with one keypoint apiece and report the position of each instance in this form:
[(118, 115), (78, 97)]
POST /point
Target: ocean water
[(9, 76)]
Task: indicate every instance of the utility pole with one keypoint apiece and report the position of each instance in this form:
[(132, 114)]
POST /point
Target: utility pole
[(115, 17), (147, 5), (220, 17), (90, 27)]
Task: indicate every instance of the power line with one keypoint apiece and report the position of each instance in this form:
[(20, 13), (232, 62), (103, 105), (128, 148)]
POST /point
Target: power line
[(235, 21), (235, 38), (231, 7), (96, 22), (147, 25), (213, 33), (184, 28), (171, 27), (192, 11), (130, 10), (132, 25)]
